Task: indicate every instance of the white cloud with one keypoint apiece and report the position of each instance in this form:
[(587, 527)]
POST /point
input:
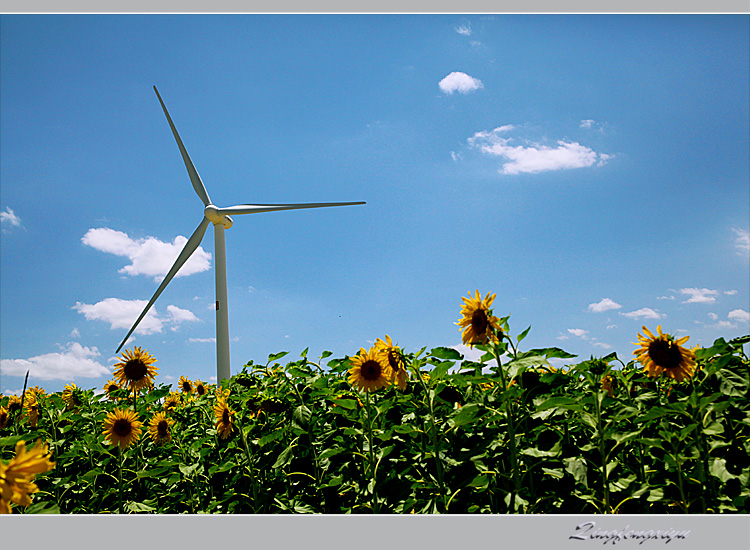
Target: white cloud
[(75, 361), (121, 314), (148, 256), (739, 315), (201, 340), (665, 298), (699, 295), (581, 333), (713, 316), (464, 29), (75, 333), (588, 123), (10, 217), (610, 327), (645, 313), (605, 305), (602, 345), (730, 292), (455, 156), (742, 241), (534, 157), (459, 82)]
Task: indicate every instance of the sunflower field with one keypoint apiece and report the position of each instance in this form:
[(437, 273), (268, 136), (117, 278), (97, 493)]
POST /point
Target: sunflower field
[(389, 431)]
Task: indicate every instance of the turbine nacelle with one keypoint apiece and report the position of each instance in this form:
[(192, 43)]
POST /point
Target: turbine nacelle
[(215, 216)]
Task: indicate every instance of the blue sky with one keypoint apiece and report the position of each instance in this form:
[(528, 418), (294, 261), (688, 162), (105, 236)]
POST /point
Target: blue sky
[(590, 170)]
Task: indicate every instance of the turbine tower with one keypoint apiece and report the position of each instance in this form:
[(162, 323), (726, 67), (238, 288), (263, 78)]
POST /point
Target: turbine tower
[(221, 220)]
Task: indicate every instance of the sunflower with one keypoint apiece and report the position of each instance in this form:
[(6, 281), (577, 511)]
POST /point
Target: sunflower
[(158, 428), (608, 385), (663, 354), (395, 360), (370, 370), (172, 401), (4, 418), (17, 477), (477, 321), (200, 388), (224, 417), (14, 403), (186, 386), (72, 396), (31, 405), (122, 428), (110, 387), (36, 391), (136, 369)]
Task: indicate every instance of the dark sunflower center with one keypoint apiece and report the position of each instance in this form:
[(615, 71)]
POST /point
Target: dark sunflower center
[(186, 387), (122, 427), (135, 370), (665, 354), (371, 370), (479, 321), (200, 390), (225, 417), (112, 388), (163, 428), (393, 360)]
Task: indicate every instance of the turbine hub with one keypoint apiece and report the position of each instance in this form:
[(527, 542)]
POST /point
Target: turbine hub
[(215, 217)]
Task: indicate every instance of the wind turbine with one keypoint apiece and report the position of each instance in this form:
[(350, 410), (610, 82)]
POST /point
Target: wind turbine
[(221, 220)]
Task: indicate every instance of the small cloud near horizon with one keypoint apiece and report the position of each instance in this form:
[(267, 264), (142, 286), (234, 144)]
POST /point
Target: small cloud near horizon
[(459, 82)]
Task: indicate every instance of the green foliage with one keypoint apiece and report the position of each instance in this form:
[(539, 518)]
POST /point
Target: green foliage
[(522, 437)]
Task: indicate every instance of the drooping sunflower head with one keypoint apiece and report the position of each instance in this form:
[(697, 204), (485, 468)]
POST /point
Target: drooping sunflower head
[(35, 391), (122, 427), (110, 387), (370, 370), (159, 428), (200, 388), (136, 369), (72, 395), (186, 386), (14, 403), (224, 417), (395, 360), (665, 354), (31, 407), (4, 418), (478, 324), (608, 385)]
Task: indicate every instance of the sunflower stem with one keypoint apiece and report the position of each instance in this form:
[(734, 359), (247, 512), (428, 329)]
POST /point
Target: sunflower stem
[(598, 396), (511, 428), (374, 494), (119, 481)]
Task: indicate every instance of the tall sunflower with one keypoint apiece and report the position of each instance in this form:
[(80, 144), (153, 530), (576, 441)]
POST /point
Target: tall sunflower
[(200, 388), (17, 476), (136, 369), (370, 370), (664, 354), (122, 428), (224, 417), (158, 428), (31, 405), (186, 386), (395, 360), (477, 321)]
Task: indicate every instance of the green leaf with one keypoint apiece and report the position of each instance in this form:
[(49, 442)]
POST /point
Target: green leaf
[(552, 352), (346, 403), (270, 437), (718, 468), (440, 370), (446, 353), (135, 507), (714, 428), (10, 440), (560, 402), (326, 354), (276, 356), (577, 467), (466, 414), (304, 353), (188, 471), (285, 457), (523, 335), (42, 507), (732, 383), (301, 417)]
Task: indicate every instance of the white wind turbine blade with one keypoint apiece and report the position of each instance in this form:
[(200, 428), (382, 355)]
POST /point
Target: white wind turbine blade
[(190, 246), (257, 208), (192, 172)]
